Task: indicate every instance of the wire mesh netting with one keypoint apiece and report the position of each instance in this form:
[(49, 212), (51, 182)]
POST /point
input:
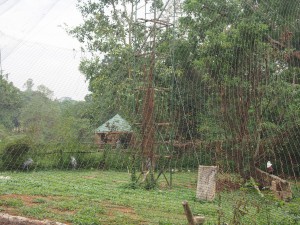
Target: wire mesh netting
[(174, 85)]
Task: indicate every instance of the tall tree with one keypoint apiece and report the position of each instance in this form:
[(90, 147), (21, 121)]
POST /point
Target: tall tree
[(242, 62), (29, 85), (115, 40), (10, 103), (39, 115), (45, 91)]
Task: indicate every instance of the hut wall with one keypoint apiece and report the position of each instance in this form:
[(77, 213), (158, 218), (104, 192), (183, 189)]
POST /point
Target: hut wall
[(113, 139)]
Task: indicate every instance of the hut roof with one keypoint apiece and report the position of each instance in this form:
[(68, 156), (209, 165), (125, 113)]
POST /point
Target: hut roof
[(117, 124)]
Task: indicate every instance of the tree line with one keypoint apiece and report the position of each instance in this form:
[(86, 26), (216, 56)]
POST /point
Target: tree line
[(36, 114), (232, 69)]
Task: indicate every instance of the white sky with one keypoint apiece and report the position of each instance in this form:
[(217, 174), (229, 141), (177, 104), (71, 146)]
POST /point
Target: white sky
[(34, 45)]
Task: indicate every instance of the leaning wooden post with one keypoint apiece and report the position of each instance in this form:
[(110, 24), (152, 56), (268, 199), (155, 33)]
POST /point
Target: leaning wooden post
[(188, 213), (193, 220)]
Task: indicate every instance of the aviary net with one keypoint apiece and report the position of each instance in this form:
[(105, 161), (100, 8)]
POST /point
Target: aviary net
[(174, 85)]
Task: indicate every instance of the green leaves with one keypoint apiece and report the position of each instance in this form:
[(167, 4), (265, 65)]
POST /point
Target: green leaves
[(10, 102)]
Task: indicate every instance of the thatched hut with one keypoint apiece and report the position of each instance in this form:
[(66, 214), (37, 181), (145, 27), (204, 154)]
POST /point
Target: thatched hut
[(116, 133)]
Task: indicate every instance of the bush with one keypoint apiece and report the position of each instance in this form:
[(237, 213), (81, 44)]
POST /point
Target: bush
[(15, 153)]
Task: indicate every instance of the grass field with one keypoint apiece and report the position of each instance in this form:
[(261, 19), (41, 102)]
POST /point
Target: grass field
[(103, 197)]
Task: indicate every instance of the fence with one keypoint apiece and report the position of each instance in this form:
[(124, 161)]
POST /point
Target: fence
[(211, 83)]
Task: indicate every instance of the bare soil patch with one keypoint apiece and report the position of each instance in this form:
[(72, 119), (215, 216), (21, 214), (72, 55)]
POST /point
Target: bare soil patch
[(112, 209), (26, 199), (89, 177), (6, 219), (10, 214)]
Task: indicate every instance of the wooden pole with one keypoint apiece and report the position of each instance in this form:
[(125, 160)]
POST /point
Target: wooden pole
[(148, 126), (192, 220), (188, 213), (148, 129)]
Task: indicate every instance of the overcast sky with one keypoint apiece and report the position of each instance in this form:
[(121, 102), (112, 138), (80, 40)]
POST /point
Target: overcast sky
[(34, 45)]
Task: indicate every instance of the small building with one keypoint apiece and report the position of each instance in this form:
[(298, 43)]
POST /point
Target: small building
[(115, 133)]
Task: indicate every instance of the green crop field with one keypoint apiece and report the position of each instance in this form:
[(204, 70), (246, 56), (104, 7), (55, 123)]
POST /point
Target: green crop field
[(104, 197)]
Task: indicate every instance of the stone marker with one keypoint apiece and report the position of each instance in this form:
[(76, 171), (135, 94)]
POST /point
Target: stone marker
[(206, 185)]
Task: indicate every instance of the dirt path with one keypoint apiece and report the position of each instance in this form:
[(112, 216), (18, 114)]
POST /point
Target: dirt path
[(6, 219)]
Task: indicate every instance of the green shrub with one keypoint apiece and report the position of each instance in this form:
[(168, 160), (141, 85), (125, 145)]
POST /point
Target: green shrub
[(15, 153)]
